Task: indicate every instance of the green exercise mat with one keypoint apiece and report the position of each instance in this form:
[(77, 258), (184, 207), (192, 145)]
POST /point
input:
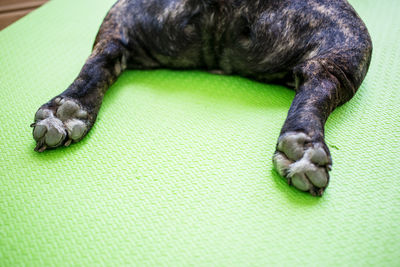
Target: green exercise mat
[(177, 170)]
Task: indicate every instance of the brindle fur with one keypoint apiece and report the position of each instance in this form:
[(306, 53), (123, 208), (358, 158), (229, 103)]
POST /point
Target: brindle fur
[(321, 47)]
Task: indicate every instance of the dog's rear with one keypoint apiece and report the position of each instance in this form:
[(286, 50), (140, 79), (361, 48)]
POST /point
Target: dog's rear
[(321, 47)]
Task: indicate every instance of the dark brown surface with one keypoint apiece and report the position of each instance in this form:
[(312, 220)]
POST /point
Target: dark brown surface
[(12, 10)]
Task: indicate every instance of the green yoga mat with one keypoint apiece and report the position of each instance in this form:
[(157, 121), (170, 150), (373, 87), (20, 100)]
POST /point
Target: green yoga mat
[(177, 170)]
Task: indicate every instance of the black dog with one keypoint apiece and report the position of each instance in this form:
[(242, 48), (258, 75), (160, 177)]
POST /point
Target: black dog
[(319, 47)]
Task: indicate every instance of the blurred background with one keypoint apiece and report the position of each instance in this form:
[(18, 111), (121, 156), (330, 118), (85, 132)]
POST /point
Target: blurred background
[(12, 10)]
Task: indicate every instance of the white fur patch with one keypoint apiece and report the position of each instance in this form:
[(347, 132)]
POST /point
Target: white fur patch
[(302, 165)]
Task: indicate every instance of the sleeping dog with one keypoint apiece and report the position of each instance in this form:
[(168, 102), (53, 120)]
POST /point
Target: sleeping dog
[(321, 48)]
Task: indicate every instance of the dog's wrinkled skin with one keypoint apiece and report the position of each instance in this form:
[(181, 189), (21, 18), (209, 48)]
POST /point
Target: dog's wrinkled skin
[(320, 47)]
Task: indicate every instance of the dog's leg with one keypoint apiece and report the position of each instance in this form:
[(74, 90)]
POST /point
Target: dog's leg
[(302, 156), (134, 34), (69, 116)]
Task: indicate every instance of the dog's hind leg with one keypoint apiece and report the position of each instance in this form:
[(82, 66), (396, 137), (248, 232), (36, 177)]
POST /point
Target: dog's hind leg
[(69, 116), (134, 34), (324, 83)]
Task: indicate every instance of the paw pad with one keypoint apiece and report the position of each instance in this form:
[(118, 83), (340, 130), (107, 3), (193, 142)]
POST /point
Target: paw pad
[(64, 123), (305, 164)]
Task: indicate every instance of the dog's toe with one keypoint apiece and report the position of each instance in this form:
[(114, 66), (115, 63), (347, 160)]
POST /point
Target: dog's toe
[(75, 128), (48, 133)]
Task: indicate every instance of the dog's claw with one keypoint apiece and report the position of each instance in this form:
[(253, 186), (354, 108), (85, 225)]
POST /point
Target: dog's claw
[(40, 147), (68, 143), (43, 148)]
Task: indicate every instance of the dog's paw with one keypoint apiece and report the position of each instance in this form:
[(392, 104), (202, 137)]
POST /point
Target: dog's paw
[(305, 164), (62, 122)]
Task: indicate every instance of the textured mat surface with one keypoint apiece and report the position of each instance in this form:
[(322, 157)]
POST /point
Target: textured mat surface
[(177, 170)]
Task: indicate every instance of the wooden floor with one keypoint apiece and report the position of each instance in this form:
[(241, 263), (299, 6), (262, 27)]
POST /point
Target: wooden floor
[(12, 10)]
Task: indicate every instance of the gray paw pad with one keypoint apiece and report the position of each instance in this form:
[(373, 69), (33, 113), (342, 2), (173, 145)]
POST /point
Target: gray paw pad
[(52, 127), (70, 109), (301, 182), (75, 128), (304, 164), (49, 132), (43, 114), (292, 145), (318, 177)]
